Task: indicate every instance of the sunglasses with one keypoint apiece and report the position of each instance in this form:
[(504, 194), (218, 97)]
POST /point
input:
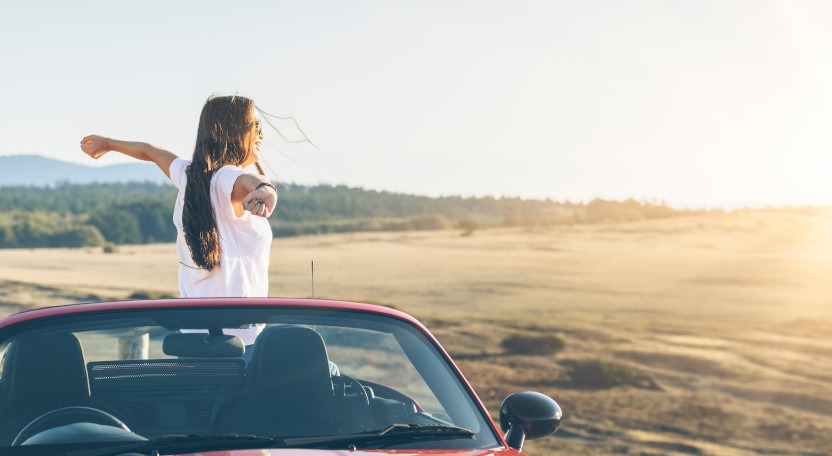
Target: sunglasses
[(258, 127)]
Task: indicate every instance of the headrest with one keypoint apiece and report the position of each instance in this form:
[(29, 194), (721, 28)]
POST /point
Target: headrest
[(290, 358), (48, 367)]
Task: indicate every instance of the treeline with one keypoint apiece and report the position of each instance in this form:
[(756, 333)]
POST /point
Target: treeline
[(76, 215)]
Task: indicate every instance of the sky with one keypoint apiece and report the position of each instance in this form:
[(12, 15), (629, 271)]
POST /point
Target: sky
[(700, 104)]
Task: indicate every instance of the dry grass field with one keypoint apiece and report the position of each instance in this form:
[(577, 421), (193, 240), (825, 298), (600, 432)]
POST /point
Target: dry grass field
[(726, 318)]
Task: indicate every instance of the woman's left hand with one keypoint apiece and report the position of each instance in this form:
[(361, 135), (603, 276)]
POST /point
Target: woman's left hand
[(261, 202)]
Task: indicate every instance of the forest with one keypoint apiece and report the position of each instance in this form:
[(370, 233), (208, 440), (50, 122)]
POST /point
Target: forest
[(78, 215)]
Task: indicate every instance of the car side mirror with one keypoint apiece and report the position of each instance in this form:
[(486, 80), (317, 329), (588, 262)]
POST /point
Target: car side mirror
[(528, 415)]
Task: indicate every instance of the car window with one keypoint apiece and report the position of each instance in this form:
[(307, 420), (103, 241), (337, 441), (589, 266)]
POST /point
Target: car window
[(378, 358), (129, 343)]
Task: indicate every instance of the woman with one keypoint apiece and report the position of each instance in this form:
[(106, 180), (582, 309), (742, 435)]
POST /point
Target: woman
[(220, 215)]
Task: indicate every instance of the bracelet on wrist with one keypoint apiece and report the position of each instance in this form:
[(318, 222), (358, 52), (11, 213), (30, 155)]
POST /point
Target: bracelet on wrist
[(265, 184)]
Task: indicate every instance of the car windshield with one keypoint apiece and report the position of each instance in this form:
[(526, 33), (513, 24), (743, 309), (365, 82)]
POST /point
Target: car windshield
[(300, 376)]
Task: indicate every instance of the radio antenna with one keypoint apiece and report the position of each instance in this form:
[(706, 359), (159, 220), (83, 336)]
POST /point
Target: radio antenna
[(313, 279)]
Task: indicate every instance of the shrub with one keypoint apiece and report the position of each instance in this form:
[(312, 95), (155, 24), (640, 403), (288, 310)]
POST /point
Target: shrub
[(395, 225), (533, 344), (78, 236), (467, 227), (430, 222), (109, 247), (598, 373)]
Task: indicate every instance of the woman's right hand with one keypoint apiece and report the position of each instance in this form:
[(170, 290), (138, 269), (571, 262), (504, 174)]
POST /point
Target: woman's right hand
[(261, 202), (95, 146)]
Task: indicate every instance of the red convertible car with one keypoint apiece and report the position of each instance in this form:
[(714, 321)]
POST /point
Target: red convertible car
[(244, 377)]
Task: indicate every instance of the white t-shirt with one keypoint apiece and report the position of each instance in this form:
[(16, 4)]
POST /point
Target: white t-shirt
[(245, 243)]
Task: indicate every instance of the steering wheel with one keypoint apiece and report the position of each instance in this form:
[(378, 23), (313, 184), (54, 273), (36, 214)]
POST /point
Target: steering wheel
[(64, 416), (353, 389)]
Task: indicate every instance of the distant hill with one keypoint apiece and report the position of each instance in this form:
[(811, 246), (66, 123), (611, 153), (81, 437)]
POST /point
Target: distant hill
[(41, 171)]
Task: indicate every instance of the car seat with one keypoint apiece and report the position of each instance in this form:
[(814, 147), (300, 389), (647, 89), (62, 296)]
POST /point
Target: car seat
[(41, 373), (288, 388)]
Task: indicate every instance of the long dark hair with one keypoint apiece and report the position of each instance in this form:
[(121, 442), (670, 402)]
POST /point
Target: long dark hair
[(225, 137)]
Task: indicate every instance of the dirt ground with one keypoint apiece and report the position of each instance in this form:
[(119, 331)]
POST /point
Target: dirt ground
[(728, 315)]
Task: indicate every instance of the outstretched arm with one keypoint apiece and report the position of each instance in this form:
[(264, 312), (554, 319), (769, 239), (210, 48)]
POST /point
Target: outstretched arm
[(96, 146)]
